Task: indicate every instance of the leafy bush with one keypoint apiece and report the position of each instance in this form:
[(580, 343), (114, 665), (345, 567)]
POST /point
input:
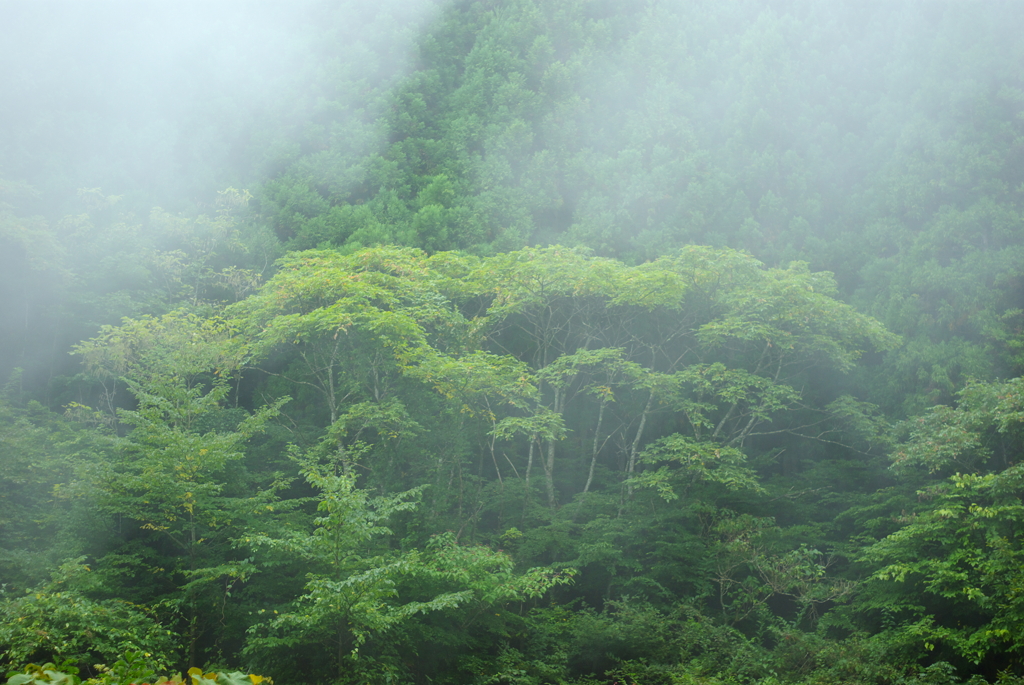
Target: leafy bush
[(132, 668), (57, 622)]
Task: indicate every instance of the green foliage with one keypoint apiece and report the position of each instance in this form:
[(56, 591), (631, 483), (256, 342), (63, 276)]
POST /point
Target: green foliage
[(59, 622), (176, 344), (132, 668), (951, 572), (692, 435), (693, 463), (34, 444), (167, 478), (358, 592), (43, 675)]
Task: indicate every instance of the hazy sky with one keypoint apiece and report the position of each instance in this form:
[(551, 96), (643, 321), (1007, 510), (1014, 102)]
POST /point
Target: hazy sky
[(148, 96)]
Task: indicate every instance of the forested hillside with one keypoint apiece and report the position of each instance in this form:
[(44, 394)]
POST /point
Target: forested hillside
[(512, 341)]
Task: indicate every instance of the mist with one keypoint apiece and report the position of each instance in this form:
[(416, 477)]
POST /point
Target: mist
[(512, 341), (166, 102)]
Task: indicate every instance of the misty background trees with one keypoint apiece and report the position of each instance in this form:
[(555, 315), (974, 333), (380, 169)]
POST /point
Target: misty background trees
[(514, 341)]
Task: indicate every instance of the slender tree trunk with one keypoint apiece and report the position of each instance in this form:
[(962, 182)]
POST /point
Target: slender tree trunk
[(529, 467), (193, 613), (549, 473), (549, 460), (594, 450), (529, 459), (633, 451), (494, 459)]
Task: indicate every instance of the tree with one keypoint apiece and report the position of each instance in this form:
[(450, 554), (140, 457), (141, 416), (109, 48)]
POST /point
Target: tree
[(359, 592), (169, 473), (950, 576), (58, 622)]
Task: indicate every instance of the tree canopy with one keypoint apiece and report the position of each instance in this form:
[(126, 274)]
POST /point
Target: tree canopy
[(512, 341)]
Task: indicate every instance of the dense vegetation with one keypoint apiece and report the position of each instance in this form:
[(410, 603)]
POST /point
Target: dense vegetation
[(517, 341)]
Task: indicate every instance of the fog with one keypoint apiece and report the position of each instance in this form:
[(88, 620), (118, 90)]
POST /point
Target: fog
[(533, 341), (170, 101)]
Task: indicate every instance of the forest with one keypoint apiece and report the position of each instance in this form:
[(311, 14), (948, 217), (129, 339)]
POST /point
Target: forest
[(527, 342)]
